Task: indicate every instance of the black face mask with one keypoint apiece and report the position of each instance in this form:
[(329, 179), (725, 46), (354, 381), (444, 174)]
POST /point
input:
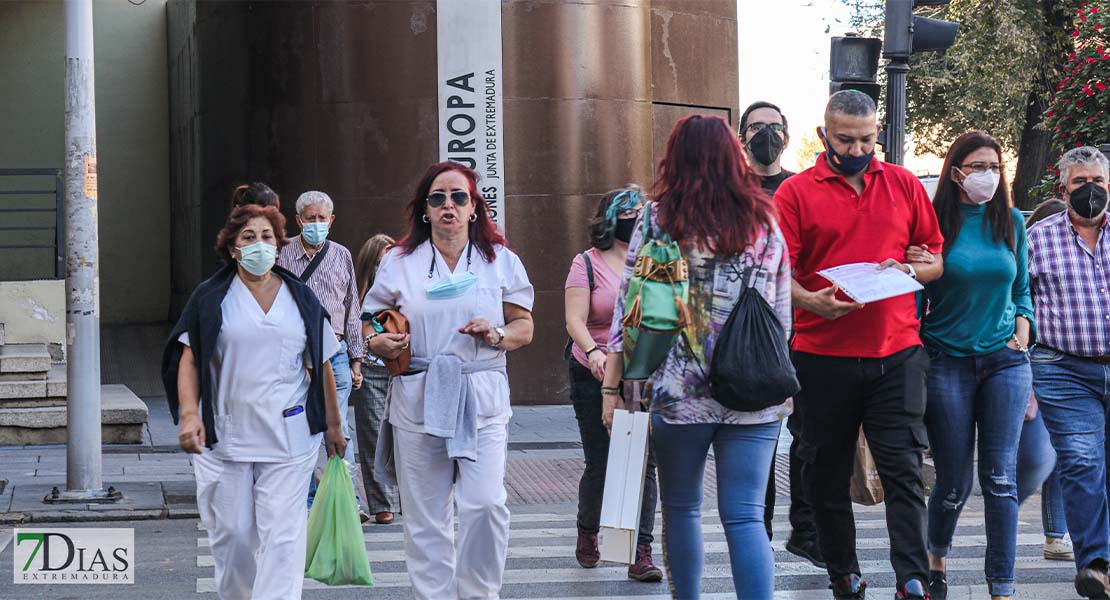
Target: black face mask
[(1088, 201), (623, 230), (765, 146)]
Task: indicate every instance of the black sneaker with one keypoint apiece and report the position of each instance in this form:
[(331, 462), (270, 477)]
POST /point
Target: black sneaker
[(912, 590), (849, 587), (806, 546), (1092, 582), (938, 585)]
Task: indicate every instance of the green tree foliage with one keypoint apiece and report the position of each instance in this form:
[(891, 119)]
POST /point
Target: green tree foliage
[(983, 81), (1078, 113), (998, 77)]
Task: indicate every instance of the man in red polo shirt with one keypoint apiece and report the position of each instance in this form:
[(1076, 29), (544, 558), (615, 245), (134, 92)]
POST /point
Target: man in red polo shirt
[(859, 364)]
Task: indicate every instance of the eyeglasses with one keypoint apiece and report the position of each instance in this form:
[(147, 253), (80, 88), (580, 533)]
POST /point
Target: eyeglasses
[(757, 127), (438, 199), (980, 167)]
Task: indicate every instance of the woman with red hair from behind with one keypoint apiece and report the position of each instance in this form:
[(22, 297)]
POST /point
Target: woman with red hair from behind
[(707, 198)]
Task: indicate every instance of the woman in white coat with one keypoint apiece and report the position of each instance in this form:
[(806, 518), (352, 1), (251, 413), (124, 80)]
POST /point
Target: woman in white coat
[(246, 373), (468, 301)]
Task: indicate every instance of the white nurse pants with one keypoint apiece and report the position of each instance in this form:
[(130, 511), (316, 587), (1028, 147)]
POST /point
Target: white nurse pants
[(256, 521), (439, 568)]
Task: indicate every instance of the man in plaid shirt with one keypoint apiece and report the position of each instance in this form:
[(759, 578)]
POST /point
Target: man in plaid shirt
[(1069, 274)]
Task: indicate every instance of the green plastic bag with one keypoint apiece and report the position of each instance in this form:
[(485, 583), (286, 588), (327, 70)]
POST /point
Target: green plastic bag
[(336, 549)]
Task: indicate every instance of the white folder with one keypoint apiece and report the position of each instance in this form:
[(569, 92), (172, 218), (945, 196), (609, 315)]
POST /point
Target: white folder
[(624, 486)]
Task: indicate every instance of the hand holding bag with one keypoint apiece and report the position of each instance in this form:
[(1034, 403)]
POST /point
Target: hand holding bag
[(392, 321)]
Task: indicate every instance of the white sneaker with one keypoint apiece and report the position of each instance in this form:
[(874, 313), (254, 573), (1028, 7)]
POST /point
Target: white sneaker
[(1058, 548)]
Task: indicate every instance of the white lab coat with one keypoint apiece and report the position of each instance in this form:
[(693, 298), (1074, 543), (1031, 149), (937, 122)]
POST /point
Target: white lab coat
[(438, 567), (251, 486)]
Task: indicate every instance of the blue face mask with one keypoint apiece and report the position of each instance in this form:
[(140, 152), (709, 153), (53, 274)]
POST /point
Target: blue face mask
[(314, 233), (845, 163), (451, 286), (258, 258)]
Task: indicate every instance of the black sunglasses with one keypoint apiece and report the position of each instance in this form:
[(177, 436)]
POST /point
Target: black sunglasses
[(438, 199)]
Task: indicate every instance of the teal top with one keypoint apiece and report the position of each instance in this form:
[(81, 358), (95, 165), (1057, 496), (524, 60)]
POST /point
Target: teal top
[(971, 308)]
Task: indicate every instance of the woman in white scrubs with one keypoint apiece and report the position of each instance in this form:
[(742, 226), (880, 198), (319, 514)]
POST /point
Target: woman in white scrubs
[(468, 301), (252, 386)]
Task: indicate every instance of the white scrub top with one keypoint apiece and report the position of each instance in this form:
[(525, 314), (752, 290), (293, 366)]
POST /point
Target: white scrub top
[(260, 369), (401, 282)]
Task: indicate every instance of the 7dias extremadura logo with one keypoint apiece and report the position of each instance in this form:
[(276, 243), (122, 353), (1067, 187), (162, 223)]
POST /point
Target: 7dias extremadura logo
[(76, 555)]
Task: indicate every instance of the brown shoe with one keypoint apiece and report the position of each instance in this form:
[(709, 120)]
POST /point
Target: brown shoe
[(383, 518), (586, 550), (1092, 583), (643, 569)]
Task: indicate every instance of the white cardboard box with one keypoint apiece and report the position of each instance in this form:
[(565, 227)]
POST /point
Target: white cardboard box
[(624, 485)]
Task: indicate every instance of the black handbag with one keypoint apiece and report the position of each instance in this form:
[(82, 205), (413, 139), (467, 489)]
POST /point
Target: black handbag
[(751, 368)]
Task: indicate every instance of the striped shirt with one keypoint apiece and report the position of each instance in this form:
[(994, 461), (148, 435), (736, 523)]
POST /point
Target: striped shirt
[(335, 286), (1069, 284)]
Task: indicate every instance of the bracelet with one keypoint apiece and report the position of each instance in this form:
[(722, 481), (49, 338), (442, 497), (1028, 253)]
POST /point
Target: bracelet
[(366, 341), (610, 391), (1021, 347), (591, 350)]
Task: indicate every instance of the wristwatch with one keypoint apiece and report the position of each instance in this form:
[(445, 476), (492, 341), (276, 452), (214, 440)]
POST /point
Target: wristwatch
[(913, 271), (501, 332)]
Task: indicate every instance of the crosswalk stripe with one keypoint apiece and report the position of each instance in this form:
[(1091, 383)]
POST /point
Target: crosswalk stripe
[(567, 550), (712, 571), (1035, 591), (546, 537), (373, 537)]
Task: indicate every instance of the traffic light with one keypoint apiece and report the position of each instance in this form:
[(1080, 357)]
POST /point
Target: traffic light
[(854, 64), (907, 33)]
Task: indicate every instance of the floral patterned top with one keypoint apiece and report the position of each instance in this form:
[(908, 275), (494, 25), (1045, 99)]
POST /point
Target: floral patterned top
[(679, 390)]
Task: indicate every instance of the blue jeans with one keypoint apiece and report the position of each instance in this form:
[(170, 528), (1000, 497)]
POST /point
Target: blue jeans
[(988, 393), (743, 454), (341, 366), (1073, 394), (1036, 469)]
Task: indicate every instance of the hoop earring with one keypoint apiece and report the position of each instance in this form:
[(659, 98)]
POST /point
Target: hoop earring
[(473, 217), (424, 218)]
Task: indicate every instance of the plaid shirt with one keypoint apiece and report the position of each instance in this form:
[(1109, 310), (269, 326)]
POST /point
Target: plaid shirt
[(335, 285), (1069, 284)]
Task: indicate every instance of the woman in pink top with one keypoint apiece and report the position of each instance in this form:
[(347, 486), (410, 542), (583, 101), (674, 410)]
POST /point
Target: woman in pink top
[(591, 293)]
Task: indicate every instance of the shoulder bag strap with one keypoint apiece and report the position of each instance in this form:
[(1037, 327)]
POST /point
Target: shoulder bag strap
[(589, 270), (316, 260)]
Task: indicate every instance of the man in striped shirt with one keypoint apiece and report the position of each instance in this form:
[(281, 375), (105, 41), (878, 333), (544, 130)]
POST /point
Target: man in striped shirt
[(333, 280), (1069, 274)]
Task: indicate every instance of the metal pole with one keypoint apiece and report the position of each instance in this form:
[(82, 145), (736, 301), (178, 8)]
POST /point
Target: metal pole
[(896, 71), (83, 453)]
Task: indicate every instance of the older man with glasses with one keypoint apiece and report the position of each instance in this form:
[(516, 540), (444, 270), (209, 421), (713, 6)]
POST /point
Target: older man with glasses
[(329, 271)]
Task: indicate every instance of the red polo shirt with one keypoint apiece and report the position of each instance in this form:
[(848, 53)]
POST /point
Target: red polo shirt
[(827, 224)]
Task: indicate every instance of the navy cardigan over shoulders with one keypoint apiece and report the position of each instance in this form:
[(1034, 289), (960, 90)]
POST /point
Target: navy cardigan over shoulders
[(202, 319)]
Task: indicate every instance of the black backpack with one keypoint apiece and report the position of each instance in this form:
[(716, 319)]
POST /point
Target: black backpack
[(751, 368)]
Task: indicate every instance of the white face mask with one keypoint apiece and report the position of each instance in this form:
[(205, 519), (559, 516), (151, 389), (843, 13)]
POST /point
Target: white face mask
[(980, 187)]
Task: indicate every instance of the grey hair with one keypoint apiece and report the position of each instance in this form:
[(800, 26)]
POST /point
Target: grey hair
[(853, 103), (313, 197), (1083, 155)]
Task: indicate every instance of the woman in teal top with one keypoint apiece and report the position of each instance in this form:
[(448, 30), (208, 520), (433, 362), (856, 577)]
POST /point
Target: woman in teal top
[(977, 332)]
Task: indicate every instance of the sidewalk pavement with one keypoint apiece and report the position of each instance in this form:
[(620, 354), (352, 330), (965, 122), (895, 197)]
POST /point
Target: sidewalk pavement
[(156, 478)]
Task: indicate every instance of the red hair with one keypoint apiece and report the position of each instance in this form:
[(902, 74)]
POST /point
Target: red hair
[(239, 218), (705, 190), (482, 232)]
